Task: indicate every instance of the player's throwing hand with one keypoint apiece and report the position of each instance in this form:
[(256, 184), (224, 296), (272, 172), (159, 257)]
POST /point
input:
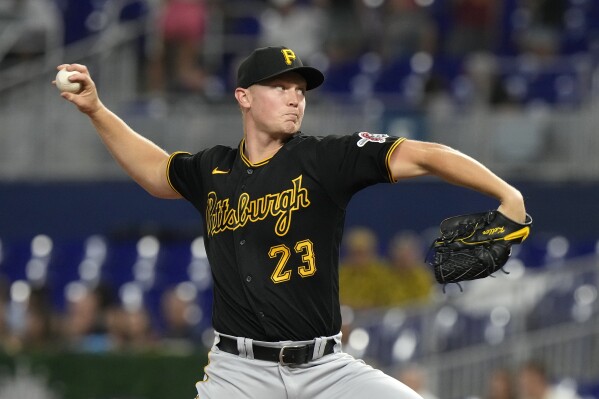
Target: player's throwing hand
[(87, 99)]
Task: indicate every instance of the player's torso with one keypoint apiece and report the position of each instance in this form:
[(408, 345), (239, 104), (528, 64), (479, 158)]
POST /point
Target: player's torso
[(272, 228)]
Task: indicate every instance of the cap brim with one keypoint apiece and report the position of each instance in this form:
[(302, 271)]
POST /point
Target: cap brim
[(313, 76)]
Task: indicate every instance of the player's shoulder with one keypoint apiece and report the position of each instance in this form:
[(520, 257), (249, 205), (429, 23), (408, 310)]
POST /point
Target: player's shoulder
[(356, 138), (221, 151), (315, 140), (216, 152), (219, 155)]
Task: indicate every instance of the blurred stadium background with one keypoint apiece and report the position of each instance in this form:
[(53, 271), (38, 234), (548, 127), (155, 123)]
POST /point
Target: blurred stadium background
[(516, 87)]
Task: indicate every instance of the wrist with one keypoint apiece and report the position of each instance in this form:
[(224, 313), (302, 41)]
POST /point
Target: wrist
[(512, 206), (96, 111)]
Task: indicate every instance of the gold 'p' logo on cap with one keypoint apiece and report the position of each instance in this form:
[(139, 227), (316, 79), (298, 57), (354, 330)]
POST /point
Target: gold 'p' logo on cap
[(289, 56)]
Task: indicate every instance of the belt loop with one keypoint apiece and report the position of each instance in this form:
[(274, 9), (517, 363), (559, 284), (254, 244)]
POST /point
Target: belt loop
[(249, 348), (320, 344), (241, 347)]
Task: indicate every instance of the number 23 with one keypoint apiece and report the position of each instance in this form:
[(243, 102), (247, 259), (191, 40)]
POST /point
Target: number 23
[(305, 248)]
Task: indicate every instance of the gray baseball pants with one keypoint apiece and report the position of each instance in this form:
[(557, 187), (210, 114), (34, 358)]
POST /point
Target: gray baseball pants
[(338, 375)]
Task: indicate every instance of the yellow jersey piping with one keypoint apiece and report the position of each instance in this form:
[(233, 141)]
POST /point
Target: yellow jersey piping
[(246, 159), (168, 166), (388, 158)]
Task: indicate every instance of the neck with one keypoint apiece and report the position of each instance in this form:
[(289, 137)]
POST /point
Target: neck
[(260, 148)]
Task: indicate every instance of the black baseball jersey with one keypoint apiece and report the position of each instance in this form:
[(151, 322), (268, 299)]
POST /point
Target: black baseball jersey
[(273, 229)]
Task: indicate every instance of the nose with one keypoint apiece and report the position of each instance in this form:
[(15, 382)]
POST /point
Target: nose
[(293, 98)]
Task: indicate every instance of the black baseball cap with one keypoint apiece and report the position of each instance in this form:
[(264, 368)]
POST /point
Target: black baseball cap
[(268, 62)]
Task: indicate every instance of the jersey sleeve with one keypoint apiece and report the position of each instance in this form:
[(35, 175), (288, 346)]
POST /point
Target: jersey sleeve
[(353, 162), (183, 174)]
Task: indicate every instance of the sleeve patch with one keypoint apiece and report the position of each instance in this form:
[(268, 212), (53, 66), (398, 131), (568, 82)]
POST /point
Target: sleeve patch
[(365, 137)]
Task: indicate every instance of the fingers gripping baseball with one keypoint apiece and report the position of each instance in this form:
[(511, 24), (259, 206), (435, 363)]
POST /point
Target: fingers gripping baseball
[(86, 97)]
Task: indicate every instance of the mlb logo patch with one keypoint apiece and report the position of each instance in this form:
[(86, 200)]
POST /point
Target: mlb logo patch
[(365, 137)]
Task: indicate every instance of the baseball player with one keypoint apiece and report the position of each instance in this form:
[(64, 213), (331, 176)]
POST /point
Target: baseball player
[(273, 212)]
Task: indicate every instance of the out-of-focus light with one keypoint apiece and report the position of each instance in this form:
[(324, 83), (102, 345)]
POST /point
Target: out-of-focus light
[(405, 345), (500, 316), (394, 318), (447, 317), (75, 291), (359, 339), (558, 247), (347, 315), (89, 270), (20, 291), (41, 246), (186, 291), (36, 270), (131, 296), (193, 314), (199, 272), (421, 62), (371, 62), (144, 271), (148, 247), (585, 294), (96, 248), (197, 248)]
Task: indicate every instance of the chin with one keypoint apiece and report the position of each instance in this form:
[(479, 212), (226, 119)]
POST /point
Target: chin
[(290, 128)]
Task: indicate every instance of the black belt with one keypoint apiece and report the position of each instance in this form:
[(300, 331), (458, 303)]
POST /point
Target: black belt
[(287, 355)]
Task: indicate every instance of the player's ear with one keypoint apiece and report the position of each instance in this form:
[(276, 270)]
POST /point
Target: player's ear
[(243, 97)]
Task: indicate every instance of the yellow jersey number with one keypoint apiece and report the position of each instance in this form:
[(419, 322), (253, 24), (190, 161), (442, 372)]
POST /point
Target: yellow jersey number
[(305, 248)]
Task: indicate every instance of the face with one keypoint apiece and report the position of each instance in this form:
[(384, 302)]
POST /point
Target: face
[(276, 106)]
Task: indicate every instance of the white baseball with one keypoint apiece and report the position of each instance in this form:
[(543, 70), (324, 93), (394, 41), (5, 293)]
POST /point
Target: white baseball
[(64, 84)]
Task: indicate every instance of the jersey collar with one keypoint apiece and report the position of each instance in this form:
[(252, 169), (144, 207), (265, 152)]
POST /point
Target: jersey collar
[(247, 161)]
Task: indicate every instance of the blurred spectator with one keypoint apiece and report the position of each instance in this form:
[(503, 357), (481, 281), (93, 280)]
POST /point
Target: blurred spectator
[(39, 323), (181, 316), (344, 39), (412, 279), (84, 325), (407, 29), (29, 323), (137, 329), (363, 276), (31, 28), (301, 27), (543, 26), (534, 383), (500, 385), (474, 26), (4, 306), (175, 58), (415, 377)]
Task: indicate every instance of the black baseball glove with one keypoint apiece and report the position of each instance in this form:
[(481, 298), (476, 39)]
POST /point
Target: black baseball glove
[(475, 246)]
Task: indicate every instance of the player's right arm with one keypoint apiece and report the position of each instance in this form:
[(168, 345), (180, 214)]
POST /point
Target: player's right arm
[(141, 159)]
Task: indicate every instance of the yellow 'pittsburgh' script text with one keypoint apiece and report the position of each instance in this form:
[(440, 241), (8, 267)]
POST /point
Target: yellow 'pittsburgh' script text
[(220, 216)]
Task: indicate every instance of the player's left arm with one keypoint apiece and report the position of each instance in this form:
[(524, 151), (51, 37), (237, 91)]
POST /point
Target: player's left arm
[(417, 158)]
